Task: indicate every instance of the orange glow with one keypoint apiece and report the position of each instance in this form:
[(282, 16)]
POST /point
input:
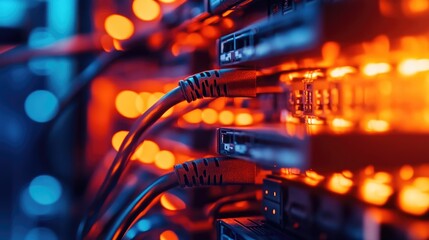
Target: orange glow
[(211, 20), (226, 13), (167, 1), (377, 126), (168, 235), (373, 69), (413, 201), (243, 119), (347, 174), (375, 192), (175, 49), (210, 32), (118, 138), (117, 45), (152, 99), (146, 152), (228, 22), (194, 39), (226, 117), (106, 43), (413, 66), (172, 202), (119, 27), (341, 71), (383, 177), (209, 116), (330, 52), (126, 103), (193, 116), (406, 172), (369, 170), (341, 123), (386, 7), (156, 40), (422, 183), (146, 10), (339, 183), (312, 178), (415, 6), (165, 159)]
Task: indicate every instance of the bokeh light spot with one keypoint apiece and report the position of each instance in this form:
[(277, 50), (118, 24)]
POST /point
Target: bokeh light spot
[(193, 116), (45, 190), (243, 119), (146, 10), (118, 138), (226, 117), (209, 116), (41, 233), (41, 106), (144, 225), (172, 202), (119, 27), (165, 159), (127, 103), (168, 235), (146, 152)]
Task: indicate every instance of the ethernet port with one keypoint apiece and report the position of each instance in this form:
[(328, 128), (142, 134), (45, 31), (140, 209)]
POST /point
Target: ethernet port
[(243, 40), (227, 45)]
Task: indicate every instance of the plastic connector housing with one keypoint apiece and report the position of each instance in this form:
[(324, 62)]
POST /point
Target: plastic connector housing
[(219, 83), (216, 171)]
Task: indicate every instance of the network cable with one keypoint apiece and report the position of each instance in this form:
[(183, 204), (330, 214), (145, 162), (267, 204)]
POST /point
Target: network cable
[(217, 171), (211, 84)]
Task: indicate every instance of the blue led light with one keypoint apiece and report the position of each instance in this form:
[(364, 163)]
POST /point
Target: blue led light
[(144, 225), (41, 233), (40, 37), (131, 234), (12, 12), (41, 106), (45, 190)]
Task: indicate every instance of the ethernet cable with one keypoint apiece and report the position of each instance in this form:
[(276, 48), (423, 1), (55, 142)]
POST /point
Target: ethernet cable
[(217, 171), (211, 84)]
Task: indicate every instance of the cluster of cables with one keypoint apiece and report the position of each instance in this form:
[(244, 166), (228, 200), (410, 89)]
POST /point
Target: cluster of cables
[(203, 172)]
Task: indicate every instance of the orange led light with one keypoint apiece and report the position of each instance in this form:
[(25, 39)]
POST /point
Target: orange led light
[(373, 69), (209, 116), (165, 159), (414, 201), (167, 1), (413, 66), (406, 172), (339, 183), (377, 126), (226, 117), (146, 10), (119, 27), (168, 235), (341, 71), (127, 103), (375, 191), (172, 202), (243, 119), (146, 152), (193, 116), (118, 138)]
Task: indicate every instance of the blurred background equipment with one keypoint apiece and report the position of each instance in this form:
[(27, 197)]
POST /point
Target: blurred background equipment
[(330, 134)]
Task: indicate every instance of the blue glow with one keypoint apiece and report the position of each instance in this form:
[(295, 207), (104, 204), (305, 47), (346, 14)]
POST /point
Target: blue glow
[(61, 17), (41, 233), (41, 106), (144, 225), (45, 190), (40, 37), (12, 12), (131, 234)]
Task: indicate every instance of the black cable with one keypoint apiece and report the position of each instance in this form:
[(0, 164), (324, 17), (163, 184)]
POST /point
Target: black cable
[(212, 84), (215, 171), (121, 160)]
